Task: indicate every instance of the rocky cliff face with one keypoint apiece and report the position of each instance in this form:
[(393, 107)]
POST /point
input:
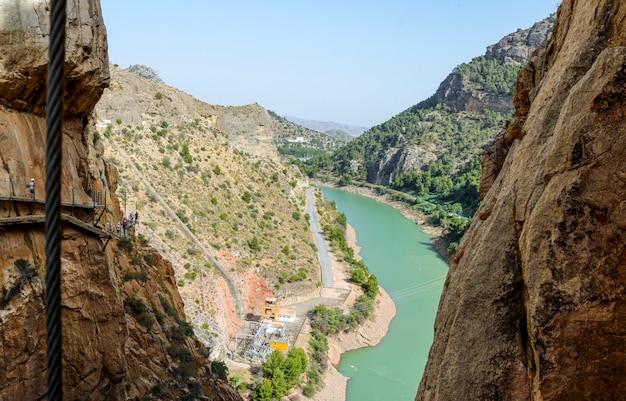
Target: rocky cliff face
[(534, 306), (24, 33), (399, 160), (515, 48), (124, 336)]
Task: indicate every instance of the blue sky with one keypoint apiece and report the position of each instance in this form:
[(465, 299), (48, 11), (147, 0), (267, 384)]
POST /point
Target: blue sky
[(354, 62)]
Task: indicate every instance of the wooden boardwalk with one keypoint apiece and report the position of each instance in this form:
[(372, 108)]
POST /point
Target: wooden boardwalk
[(41, 219)]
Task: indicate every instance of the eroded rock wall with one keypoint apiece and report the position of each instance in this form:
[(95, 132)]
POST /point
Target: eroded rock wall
[(124, 333), (24, 35), (534, 306)]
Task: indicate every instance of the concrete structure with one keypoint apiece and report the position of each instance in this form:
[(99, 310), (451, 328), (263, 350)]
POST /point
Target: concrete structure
[(272, 332)]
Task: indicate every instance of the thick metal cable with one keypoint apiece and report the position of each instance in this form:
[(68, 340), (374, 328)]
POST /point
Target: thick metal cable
[(54, 153)]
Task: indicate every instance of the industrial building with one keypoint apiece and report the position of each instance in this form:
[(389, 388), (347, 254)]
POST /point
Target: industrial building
[(276, 330)]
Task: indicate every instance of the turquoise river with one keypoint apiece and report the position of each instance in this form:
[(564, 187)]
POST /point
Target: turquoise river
[(412, 272)]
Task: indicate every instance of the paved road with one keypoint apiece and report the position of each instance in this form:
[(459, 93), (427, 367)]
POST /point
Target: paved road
[(323, 254)]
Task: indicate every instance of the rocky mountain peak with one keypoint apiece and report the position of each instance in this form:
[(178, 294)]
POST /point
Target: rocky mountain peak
[(146, 72), (518, 46), (459, 90)]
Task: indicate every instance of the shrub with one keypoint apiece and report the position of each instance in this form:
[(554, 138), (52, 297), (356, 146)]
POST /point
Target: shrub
[(134, 305), (151, 195), (299, 276), (7, 295), (182, 216), (184, 153), (27, 272), (195, 391), (185, 370), (358, 276), (158, 96), (149, 259), (180, 352), (308, 390), (159, 390), (125, 244), (253, 244), (139, 276), (139, 310), (371, 286), (186, 328), (219, 370), (165, 161)]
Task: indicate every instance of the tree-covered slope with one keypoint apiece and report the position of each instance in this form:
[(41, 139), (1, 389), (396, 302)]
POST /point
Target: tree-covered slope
[(432, 150), (438, 145)]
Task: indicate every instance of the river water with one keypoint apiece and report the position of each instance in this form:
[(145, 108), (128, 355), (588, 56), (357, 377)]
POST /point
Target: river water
[(412, 272)]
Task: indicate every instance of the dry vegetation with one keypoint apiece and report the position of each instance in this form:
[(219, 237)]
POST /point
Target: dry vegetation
[(247, 209)]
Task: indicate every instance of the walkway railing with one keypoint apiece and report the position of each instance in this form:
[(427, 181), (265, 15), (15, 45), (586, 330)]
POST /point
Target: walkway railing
[(7, 192), (98, 202)]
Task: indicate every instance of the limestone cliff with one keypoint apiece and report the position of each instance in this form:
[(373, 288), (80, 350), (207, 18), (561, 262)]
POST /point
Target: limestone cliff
[(124, 335), (397, 160), (518, 46), (534, 306), (459, 92)]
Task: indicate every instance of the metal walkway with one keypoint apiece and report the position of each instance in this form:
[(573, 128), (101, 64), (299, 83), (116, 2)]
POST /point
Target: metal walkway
[(41, 219), (94, 205)]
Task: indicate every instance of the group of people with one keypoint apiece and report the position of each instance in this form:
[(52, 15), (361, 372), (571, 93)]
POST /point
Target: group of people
[(123, 227)]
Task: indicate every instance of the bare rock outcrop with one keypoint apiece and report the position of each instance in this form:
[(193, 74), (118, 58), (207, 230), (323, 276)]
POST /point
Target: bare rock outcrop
[(516, 48), (534, 306), (400, 160), (124, 333), (24, 35)]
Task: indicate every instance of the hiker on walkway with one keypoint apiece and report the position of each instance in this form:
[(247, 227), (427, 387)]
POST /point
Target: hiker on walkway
[(31, 186), (118, 228), (136, 217), (125, 225), (132, 217)]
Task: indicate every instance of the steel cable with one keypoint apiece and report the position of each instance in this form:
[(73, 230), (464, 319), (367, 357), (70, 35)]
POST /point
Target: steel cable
[(54, 153)]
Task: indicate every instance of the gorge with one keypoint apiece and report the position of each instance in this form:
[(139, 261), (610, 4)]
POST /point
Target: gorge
[(533, 306)]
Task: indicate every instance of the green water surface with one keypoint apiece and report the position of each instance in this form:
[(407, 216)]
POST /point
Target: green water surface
[(412, 272)]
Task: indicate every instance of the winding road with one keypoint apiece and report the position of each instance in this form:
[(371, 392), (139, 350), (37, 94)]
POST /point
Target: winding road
[(323, 254)]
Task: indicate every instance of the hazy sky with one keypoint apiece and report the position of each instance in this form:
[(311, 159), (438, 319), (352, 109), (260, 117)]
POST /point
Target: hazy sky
[(354, 62)]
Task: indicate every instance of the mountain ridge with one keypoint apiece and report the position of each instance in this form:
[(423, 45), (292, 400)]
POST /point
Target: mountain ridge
[(324, 126)]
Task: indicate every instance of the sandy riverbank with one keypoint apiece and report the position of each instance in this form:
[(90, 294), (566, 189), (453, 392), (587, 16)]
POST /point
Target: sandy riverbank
[(368, 334), (373, 331)]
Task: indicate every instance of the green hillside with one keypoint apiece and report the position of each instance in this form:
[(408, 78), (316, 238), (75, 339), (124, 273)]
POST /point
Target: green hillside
[(447, 186)]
